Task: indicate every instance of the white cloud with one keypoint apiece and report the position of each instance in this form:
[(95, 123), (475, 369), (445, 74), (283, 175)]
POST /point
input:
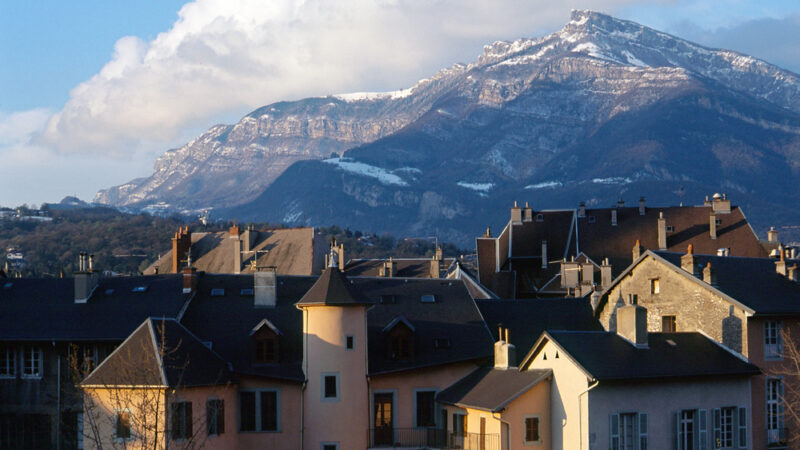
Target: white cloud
[(224, 57)]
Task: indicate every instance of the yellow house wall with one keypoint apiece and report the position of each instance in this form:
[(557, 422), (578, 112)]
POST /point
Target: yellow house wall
[(345, 421), (535, 402), (148, 412)]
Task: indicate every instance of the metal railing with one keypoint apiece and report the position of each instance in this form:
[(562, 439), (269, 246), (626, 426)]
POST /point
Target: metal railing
[(431, 438)]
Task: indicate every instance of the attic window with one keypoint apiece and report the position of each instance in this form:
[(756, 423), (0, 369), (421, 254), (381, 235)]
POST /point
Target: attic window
[(8, 285), (592, 219), (219, 292), (387, 299), (540, 217), (109, 291), (428, 298), (718, 221), (139, 289), (670, 229), (442, 343), (401, 343), (208, 344), (265, 347), (246, 292)]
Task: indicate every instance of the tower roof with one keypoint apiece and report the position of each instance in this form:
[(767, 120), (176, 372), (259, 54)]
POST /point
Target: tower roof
[(332, 289)]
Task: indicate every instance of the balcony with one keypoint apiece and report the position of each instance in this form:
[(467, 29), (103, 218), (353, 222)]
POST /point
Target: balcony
[(430, 438)]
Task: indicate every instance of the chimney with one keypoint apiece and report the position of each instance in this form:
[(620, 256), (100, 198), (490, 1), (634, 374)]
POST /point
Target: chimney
[(527, 215), (233, 232), (791, 273), (641, 206), (595, 299), (780, 265), (587, 274), (710, 275), (388, 268), (85, 280), (620, 203), (687, 261), (544, 254), (181, 245), (516, 214), (249, 237), (707, 202), (712, 225), (605, 274), (265, 287), (772, 235), (793, 253), (721, 204), (637, 250), (632, 324), (436, 262), (488, 233), (189, 280), (570, 274), (237, 254), (505, 353), (613, 217), (582, 209), (662, 231)]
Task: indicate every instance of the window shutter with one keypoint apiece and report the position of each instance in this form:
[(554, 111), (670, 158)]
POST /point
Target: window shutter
[(742, 422), (220, 416), (717, 429), (613, 431), (642, 431), (702, 427), (678, 431), (188, 419)]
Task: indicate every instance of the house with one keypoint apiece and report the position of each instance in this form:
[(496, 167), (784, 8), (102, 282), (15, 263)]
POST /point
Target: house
[(293, 251), (566, 252), (746, 304)]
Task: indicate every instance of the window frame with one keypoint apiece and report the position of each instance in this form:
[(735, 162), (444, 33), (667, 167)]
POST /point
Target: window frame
[(8, 362), (434, 409), (117, 438), (257, 413), (672, 320), (323, 390), (218, 421), (774, 417), (183, 409), (38, 356), (349, 342), (655, 286), (525, 419), (322, 445), (773, 351)]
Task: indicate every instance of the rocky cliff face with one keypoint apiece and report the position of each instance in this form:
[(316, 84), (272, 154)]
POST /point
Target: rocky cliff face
[(600, 109)]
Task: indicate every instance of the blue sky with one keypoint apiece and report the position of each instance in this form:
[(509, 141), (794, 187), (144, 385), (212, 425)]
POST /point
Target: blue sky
[(92, 92)]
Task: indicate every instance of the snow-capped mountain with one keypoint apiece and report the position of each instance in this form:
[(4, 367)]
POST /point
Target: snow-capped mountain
[(600, 109)]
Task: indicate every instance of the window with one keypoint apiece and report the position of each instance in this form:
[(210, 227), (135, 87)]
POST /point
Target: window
[(773, 347), (8, 361), (532, 430), (655, 288), (215, 416), (31, 362), (592, 219), (349, 342), (459, 424), (218, 292), (670, 229), (122, 424), (687, 433), (540, 217), (330, 387), (718, 221), (428, 298), (266, 350), (387, 299), (181, 420), (329, 446), (774, 410), (742, 427), (259, 410), (401, 343), (730, 427), (628, 431), (89, 357), (425, 409), (669, 324)]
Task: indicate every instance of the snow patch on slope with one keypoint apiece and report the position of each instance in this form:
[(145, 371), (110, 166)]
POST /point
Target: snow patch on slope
[(367, 96), (366, 170)]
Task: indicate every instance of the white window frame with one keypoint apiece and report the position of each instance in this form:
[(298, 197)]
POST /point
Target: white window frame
[(9, 362), (216, 417), (773, 345), (37, 357), (322, 393), (774, 400), (525, 418), (639, 433), (435, 409), (741, 427), (131, 436), (257, 411)]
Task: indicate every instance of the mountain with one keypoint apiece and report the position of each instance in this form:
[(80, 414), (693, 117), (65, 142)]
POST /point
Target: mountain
[(604, 108)]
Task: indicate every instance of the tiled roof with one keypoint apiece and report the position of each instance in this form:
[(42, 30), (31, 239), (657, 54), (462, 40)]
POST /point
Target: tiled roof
[(332, 288), (405, 267), (607, 356), (491, 389)]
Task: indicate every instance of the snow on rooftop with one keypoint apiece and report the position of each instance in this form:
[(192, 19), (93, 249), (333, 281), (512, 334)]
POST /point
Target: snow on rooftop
[(366, 170)]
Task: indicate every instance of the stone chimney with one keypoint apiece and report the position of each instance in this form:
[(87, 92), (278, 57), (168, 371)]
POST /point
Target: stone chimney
[(632, 324), (662, 231), (488, 232), (772, 235), (582, 209), (791, 273), (710, 275), (721, 204), (505, 353), (707, 202), (388, 268), (189, 280), (613, 217), (605, 274), (516, 214), (527, 215), (637, 250), (249, 237), (780, 264), (265, 287), (712, 226), (687, 261), (237, 254), (587, 274), (544, 254), (570, 274), (86, 279), (642, 209), (436, 263), (181, 246)]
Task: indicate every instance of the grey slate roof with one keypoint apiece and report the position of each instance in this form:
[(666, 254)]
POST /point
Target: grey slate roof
[(332, 288), (526, 319), (607, 356), (44, 309), (491, 389), (405, 267), (161, 352)]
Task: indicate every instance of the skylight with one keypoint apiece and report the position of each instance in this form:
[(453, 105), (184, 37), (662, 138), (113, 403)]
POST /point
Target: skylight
[(139, 289), (219, 292), (428, 298), (109, 291), (246, 292)]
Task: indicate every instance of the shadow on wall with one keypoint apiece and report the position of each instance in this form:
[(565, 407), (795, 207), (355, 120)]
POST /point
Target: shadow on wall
[(732, 332)]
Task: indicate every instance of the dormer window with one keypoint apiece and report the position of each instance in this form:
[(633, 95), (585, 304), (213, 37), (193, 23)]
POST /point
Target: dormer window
[(265, 343), (387, 298), (139, 289), (540, 217), (400, 340), (592, 219), (219, 292)]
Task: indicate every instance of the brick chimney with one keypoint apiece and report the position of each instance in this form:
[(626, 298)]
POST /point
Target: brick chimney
[(662, 231), (181, 246), (265, 287), (632, 324), (233, 232), (642, 209), (86, 279), (637, 250), (516, 214), (544, 254), (721, 204), (710, 275), (772, 235), (527, 213), (605, 274), (582, 209), (613, 217), (687, 261), (505, 353), (189, 280), (712, 225)]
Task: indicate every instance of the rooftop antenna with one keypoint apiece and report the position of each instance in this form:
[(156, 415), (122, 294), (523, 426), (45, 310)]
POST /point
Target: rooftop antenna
[(680, 195)]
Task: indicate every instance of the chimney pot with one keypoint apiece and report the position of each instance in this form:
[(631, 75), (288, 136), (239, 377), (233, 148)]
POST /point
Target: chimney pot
[(687, 261), (508, 341), (710, 275), (772, 235), (780, 264)]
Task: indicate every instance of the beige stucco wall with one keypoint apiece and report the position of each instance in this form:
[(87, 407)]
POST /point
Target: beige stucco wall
[(695, 307), (568, 406), (289, 435), (147, 411), (345, 421), (535, 402)]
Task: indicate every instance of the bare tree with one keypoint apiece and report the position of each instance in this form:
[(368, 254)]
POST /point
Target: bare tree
[(786, 413)]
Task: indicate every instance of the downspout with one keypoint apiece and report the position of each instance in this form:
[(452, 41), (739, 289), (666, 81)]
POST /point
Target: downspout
[(305, 375), (58, 402), (580, 422)]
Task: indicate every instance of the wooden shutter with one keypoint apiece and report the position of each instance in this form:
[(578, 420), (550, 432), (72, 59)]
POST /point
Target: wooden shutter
[(642, 431), (613, 431), (717, 429), (702, 429), (188, 420), (742, 427)]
